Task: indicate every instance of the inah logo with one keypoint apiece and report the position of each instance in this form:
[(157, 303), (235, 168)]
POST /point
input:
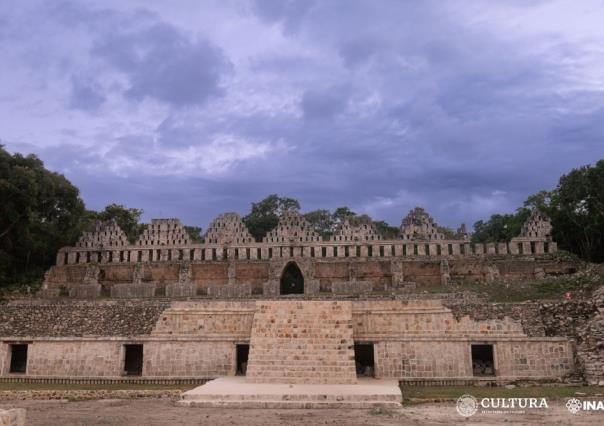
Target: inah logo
[(466, 405), (573, 405)]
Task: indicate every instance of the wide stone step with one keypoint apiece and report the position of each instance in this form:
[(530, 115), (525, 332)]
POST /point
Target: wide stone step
[(236, 392)]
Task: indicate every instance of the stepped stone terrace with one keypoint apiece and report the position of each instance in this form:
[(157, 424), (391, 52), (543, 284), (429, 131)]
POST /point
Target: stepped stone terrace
[(294, 308)]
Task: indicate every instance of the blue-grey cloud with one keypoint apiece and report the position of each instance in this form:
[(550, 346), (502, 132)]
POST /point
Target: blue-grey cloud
[(85, 95), (379, 106), (164, 64)]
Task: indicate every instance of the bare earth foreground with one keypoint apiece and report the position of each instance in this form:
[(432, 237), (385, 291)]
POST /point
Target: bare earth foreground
[(164, 412)]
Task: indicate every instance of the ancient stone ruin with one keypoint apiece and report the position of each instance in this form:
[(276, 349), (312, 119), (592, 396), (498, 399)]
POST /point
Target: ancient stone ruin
[(295, 308)]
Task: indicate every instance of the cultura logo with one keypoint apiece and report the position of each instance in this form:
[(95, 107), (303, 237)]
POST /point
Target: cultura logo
[(574, 405), (467, 405)]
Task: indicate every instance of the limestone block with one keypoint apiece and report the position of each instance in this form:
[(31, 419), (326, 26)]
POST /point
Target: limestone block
[(181, 290), (409, 249), (421, 249), (513, 248), (49, 293), (133, 290), (311, 287), (230, 290), (491, 248), (85, 291), (455, 249), (13, 417), (351, 287), (271, 288)]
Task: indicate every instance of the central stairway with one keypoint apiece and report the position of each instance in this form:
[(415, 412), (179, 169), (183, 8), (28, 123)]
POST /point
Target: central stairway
[(301, 356), (302, 342)]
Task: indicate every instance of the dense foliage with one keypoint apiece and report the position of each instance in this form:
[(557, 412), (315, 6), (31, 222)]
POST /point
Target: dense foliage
[(40, 211), (265, 214), (575, 206)]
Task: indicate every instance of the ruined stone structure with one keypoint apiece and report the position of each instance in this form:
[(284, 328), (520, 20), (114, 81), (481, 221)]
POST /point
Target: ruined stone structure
[(103, 234), (362, 231), (292, 308), (226, 229), (163, 232), (419, 225)]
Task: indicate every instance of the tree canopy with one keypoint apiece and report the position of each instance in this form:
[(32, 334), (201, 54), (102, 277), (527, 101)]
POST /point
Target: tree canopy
[(40, 212), (264, 215)]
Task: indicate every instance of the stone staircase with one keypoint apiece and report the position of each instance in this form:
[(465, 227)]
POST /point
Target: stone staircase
[(302, 342)]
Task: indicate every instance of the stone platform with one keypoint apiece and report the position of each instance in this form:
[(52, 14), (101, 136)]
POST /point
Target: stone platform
[(237, 392)]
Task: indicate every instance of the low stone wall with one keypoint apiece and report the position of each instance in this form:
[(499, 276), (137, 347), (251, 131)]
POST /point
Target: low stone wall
[(352, 287), (181, 290), (130, 291), (69, 318), (90, 291), (590, 350), (230, 291), (514, 358)]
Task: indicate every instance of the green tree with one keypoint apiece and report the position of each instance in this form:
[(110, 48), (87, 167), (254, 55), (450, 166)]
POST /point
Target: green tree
[(500, 227), (342, 213), (448, 232), (40, 212), (386, 231), (576, 208), (194, 233), (264, 215), (322, 222)]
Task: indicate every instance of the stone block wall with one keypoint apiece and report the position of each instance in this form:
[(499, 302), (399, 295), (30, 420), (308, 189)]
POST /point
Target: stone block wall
[(352, 287), (412, 338), (423, 318), (131, 291), (302, 342), (513, 358), (383, 273), (4, 359), (534, 358), (70, 318), (229, 320), (189, 359), (230, 291), (74, 359), (422, 359)]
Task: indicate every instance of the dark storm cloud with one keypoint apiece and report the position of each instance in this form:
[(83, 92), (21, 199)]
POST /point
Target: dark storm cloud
[(376, 105), (164, 64), (85, 95), (323, 105)]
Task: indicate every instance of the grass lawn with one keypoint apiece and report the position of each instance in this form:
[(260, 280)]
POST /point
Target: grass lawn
[(454, 392)]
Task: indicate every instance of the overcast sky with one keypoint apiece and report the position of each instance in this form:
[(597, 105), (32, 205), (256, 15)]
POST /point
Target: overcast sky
[(191, 108)]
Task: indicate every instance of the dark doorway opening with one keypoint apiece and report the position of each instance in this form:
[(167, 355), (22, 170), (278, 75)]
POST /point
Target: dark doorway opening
[(18, 358), (243, 352), (482, 360), (292, 281), (133, 360), (363, 356)]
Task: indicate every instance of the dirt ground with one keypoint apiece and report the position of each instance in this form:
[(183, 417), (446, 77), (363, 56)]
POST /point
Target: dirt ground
[(164, 412)]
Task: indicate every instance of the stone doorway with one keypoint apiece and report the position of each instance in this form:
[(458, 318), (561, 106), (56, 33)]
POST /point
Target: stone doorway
[(292, 280)]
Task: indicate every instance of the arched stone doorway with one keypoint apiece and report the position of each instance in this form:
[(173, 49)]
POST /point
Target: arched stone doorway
[(292, 280)]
